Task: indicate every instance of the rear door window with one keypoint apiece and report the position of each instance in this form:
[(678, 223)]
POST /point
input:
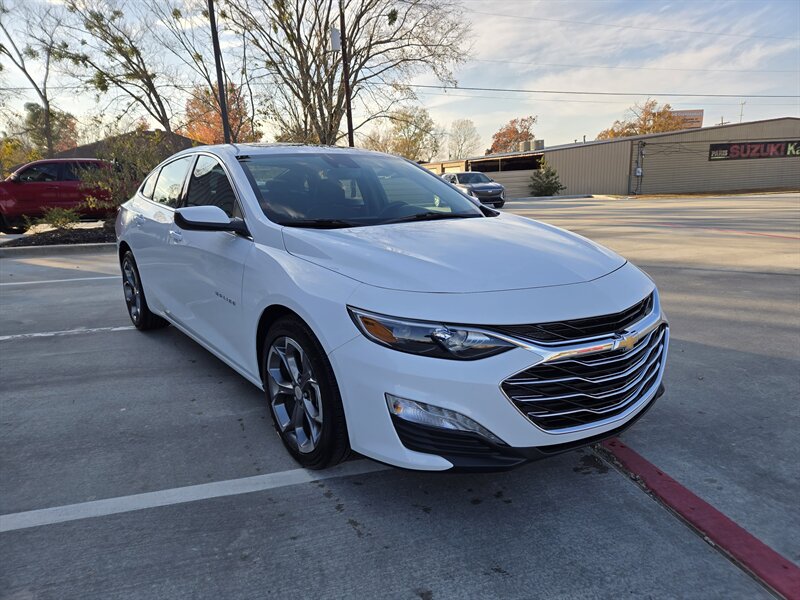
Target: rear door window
[(76, 171), (169, 186)]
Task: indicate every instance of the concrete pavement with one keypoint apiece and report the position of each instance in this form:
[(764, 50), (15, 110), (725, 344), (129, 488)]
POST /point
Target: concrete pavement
[(112, 413)]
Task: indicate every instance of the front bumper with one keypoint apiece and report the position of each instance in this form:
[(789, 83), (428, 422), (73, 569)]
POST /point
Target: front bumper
[(472, 452), (366, 372)]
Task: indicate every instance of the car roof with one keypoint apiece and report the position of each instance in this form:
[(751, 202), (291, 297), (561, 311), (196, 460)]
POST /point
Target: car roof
[(259, 149), (63, 160)]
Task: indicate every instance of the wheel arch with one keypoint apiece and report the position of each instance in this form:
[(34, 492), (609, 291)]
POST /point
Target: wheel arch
[(268, 316), (123, 248)]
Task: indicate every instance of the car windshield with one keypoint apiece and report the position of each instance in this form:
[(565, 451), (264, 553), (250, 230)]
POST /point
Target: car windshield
[(473, 178), (334, 189)]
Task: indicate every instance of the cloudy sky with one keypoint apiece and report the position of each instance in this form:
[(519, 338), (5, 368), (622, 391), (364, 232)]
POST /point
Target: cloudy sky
[(738, 47), (664, 49)]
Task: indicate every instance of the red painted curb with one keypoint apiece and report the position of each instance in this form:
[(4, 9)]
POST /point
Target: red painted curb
[(775, 571)]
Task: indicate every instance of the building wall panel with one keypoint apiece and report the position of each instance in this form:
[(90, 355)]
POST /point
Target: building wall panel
[(592, 169), (679, 163)]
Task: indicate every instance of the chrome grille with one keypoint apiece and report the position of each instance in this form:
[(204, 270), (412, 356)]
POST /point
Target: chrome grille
[(575, 392), (564, 332)]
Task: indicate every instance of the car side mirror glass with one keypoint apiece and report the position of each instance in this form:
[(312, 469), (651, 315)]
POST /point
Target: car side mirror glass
[(208, 218)]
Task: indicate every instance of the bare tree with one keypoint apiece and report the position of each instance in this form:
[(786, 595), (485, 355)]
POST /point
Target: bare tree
[(387, 44), (186, 34), (111, 45), (463, 139), (413, 134), (31, 48), (379, 138)]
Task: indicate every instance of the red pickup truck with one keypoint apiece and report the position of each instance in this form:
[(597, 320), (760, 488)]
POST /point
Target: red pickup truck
[(43, 184)]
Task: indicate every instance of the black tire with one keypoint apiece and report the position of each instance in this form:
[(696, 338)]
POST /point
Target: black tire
[(6, 227), (331, 444), (135, 299), (500, 204)]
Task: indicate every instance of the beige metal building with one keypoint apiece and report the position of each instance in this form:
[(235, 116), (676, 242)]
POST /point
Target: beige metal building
[(754, 156)]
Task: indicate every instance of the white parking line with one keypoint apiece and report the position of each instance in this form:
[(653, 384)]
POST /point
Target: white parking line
[(192, 493), (59, 280), (45, 334)]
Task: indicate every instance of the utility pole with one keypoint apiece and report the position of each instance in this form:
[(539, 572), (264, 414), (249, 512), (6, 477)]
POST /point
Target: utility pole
[(223, 103), (741, 110), (345, 76)]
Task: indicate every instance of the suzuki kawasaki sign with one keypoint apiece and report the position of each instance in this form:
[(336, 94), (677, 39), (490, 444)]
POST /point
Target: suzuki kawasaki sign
[(740, 150)]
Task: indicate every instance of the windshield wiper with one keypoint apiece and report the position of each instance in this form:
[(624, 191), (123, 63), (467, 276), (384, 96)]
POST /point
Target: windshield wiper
[(322, 223), (431, 216)]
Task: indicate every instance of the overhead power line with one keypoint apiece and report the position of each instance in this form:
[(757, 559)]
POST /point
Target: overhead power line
[(586, 93), (637, 27), (633, 67), (616, 103)]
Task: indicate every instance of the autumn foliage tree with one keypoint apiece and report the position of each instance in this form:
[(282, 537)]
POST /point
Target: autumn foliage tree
[(509, 136), (204, 121), (644, 117)]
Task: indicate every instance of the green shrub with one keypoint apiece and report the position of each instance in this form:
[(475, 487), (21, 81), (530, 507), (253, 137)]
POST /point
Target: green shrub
[(60, 218), (545, 181)]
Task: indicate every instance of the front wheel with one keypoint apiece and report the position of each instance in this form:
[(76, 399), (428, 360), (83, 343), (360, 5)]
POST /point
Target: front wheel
[(138, 310), (303, 395)]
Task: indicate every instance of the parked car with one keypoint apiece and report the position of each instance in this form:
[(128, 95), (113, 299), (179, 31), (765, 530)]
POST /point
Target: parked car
[(359, 291), (479, 185), (43, 184)]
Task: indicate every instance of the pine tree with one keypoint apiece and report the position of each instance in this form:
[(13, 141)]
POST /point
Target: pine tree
[(545, 181)]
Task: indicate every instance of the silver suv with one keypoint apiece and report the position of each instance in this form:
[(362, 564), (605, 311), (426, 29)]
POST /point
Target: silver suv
[(480, 186)]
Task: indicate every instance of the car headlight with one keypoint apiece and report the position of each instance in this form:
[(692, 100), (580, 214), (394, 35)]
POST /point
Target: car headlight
[(428, 339)]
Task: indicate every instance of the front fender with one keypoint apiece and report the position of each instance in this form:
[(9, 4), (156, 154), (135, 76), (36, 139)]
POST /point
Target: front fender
[(273, 277)]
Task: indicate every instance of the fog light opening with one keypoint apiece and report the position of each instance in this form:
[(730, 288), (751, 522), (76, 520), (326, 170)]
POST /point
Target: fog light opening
[(435, 416)]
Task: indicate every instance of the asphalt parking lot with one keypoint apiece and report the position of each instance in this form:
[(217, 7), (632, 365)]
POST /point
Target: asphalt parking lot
[(92, 410)]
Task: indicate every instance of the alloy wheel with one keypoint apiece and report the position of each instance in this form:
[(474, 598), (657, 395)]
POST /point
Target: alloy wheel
[(132, 289), (294, 394)]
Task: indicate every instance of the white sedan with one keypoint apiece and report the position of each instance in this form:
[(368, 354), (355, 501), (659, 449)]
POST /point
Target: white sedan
[(383, 311)]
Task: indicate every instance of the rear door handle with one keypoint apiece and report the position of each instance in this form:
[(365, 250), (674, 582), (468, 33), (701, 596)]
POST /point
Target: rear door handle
[(175, 236)]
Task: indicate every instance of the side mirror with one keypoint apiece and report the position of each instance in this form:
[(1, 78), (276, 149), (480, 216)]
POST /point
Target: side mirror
[(208, 218)]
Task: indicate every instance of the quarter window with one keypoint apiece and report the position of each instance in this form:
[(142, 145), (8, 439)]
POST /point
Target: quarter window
[(149, 185), (210, 186), (39, 173), (170, 182)]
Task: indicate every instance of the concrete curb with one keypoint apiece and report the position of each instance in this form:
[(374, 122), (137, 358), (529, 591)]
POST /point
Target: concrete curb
[(57, 250), (575, 197)]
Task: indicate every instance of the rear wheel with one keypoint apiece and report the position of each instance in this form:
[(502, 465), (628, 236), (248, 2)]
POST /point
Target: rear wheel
[(138, 310), (303, 395), (13, 227), (500, 204)]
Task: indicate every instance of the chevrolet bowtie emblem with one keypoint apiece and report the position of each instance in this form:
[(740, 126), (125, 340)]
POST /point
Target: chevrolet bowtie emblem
[(626, 343)]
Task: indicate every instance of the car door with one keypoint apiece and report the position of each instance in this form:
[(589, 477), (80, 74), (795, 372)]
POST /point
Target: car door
[(152, 220), (73, 190), (69, 192), (209, 265), (36, 189)]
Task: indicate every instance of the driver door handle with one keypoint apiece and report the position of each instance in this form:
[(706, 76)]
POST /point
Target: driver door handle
[(175, 236)]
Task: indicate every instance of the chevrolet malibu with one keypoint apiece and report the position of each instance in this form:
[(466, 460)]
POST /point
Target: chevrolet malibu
[(381, 310)]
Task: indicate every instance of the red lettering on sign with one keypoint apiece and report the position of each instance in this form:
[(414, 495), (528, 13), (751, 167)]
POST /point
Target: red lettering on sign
[(734, 151)]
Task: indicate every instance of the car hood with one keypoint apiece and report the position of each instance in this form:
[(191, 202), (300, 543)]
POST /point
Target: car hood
[(483, 186), (455, 255)]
